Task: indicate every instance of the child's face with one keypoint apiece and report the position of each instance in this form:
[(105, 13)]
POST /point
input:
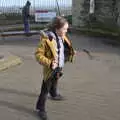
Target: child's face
[(62, 31)]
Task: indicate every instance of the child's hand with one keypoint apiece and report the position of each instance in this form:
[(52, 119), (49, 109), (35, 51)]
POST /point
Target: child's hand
[(54, 64)]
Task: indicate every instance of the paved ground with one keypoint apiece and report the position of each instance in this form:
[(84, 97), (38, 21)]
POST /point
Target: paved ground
[(91, 87)]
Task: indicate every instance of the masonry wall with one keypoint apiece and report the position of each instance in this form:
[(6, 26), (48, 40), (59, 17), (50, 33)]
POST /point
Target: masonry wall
[(106, 12)]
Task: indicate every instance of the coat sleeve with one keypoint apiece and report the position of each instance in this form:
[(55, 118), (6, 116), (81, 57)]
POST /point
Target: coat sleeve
[(69, 51), (40, 54)]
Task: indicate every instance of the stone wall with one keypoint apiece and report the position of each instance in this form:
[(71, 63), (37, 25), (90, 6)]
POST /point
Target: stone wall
[(79, 13), (106, 12), (118, 20)]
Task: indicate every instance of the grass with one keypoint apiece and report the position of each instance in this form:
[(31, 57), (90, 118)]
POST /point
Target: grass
[(21, 28), (92, 29)]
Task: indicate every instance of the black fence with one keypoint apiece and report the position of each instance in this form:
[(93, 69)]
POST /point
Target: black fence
[(11, 10)]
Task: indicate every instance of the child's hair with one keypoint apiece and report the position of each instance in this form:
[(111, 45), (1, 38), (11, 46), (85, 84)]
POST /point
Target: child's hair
[(57, 23)]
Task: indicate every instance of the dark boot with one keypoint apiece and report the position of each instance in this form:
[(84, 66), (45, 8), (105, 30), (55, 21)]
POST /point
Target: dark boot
[(42, 115), (58, 97)]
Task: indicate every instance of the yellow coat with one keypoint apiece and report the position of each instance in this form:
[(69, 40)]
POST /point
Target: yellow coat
[(45, 53)]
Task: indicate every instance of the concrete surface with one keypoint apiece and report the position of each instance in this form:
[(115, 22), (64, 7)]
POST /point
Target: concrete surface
[(91, 87), (9, 60)]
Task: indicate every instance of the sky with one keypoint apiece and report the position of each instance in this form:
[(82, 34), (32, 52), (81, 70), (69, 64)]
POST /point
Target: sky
[(35, 3)]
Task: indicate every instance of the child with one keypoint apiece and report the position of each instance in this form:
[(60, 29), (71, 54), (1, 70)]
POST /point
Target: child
[(52, 52)]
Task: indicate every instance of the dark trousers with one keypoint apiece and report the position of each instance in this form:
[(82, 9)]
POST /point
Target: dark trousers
[(48, 86), (26, 25)]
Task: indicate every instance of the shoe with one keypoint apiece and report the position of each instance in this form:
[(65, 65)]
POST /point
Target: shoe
[(42, 115), (27, 34), (57, 97)]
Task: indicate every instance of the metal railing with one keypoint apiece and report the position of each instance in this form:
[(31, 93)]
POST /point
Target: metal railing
[(11, 10)]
